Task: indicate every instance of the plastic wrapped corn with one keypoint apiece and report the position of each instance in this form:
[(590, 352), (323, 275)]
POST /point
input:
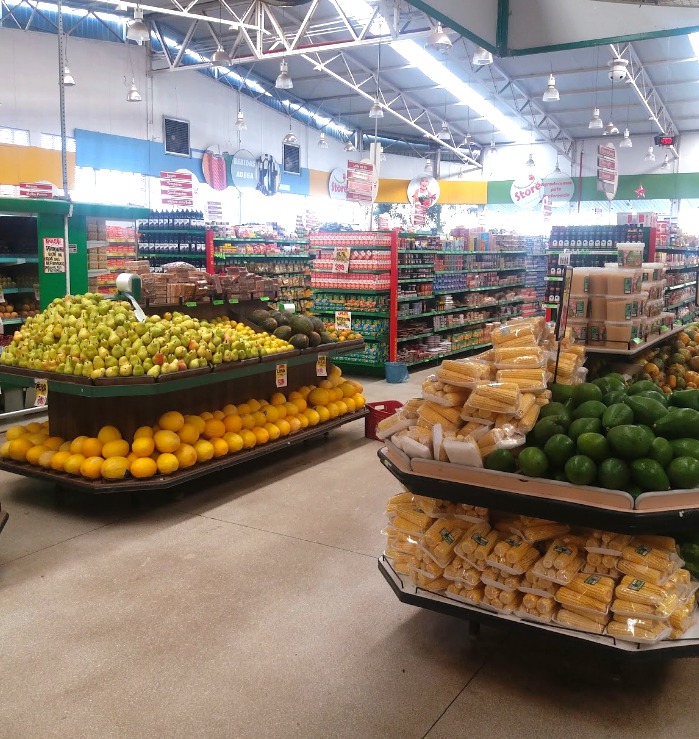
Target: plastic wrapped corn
[(560, 563), (661, 603), (391, 425), (415, 442), (427, 566), (533, 530), (587, 594), (476, 544), (442, 393), (663, 543), (527, 380), (475, 514), (640, 631), (506, 437), (513, 556), (475, 429), (642, 572), (682, 618), (537, 586), (433, 584), (495, 397), (601, 564), (441, 538), (463, 450), (434, 507), (471, 595), (448, 418), (606, 543), (399, 502), (463, 373), (500, 579), (530, 329), (519, 358), (537, 608), (502, 601), (661, 560), (403, 563), (413, 523), (576, 621), (458, 570)]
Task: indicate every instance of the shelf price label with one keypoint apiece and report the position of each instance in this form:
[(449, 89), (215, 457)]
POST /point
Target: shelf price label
[(343, 320), (41, 389), (564, 259), (281, 374), (341, 258), (322, 365)]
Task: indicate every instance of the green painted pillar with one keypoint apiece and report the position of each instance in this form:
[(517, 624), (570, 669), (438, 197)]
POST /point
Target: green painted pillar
[(51, 285)]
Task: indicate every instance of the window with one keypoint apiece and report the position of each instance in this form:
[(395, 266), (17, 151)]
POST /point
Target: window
[(16, 136), (110, 186), (53, 141)]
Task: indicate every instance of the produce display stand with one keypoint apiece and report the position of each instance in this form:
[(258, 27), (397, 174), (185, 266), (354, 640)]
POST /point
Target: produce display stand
[(659, 513), (635, 348)]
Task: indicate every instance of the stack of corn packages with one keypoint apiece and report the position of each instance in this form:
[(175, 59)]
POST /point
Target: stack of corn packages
[(472, 407), (592, 581)]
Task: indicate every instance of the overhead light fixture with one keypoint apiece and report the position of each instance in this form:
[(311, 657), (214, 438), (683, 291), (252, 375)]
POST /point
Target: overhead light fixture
[(482, 57), (694, 41), (435, 70), (530, 161), (376, 109), (290, 138), (220, 58), (240, 124), (492, 150), (68, 79), (666, 162), (284, 81), (551, 94), (444, 132), (349, 146), (468, 139), (626, 142), (322, 141), (383, 154), (618, 69), (136, 29), (610, 130), (595, 121), (133, 95), (650, 155), (438, 40), (429, 168)]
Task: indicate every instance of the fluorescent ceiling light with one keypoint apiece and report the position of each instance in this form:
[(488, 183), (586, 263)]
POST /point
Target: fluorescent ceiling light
[(417, 57), (694, 41)]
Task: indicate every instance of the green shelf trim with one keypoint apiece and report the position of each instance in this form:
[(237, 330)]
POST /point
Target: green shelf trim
[(363, 314), (415, 266), (407, 280), (437, 357), (13, 321), (11, 290), (683, 284), (352, 363), (553, 278), (401, 339), (479, 322), (417, 315), (676, 250), (405, 299), (687, 301), (478, 271), (172, 231), (478, 307), (376, 339), (573, 251), (170, 254), (478, 289), (262, 256), (352, 290), (257, 240), (19, 259), (678, 267), (354, 271)]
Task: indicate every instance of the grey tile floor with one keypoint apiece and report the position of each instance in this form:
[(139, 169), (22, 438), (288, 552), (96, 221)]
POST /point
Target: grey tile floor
[(253, 607)]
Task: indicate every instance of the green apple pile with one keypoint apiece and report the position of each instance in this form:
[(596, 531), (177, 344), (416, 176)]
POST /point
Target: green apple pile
[(90, 336)]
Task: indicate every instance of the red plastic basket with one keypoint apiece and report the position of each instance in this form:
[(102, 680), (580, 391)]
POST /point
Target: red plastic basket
[(377, 412)]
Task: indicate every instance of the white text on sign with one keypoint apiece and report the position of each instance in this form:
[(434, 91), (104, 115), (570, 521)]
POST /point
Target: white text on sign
[(282, 374), (343, 320), (41, 389)]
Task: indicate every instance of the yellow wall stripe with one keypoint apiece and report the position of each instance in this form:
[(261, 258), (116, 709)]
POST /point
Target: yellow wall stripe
[(32, 164)]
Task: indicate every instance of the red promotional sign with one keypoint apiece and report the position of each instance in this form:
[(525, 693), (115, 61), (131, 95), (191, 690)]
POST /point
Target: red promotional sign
[(177, 188), (360, 182), (35, 190)]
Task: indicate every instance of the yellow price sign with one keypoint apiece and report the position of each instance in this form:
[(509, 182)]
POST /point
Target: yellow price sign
[(322, 365), (281, 374), (41, 390)]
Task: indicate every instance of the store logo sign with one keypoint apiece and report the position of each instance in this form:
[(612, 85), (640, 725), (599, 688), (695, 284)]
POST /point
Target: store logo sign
[(559, 188), (337, 184), (527, 191)]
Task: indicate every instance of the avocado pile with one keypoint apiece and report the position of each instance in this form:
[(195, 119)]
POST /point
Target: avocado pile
[(300, 331), (613, 435)]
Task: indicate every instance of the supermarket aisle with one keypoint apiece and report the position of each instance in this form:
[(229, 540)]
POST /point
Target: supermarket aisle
[(253, 608)]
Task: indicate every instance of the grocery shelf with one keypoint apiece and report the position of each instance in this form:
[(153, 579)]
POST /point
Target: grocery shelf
[(480, 321), (676, 250), (381, 338), (406, 299), (553, 278), (686, 301), (416, 266), (15, 260), (443, 355), (349, 290), (678, 267), (408, 593), (13, 321), (362, 313), (173, 231), (98, 487), (415, 315), (183, 256), (683, 284), (575, 251), (12, 290), (478, 289), (219, 255), (514, 301), (416, 336), (638, 348), (407, 280), (97, 244), (257, 240), (353, 271), (479, 271), (97, 272)]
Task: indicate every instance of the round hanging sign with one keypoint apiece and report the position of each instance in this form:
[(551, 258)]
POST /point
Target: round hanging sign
[(423, 190), (214, 168), (559, 188), (244, 169), (337, 184), (527, 191)]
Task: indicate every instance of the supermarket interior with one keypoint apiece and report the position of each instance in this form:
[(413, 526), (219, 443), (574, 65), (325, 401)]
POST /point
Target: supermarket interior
[(349, 368)]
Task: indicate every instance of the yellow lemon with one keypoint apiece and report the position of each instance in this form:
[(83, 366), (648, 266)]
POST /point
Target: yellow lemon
[(214, 429), (14, 432), (234, 441), (295, 395), (359, 401), (282, 412), (249, 439), (73, 463), (283, 426), (291, 408), (119, 448), (35, 452), (167, 463), (186, 456), (91, 467), (259, 418), (19, 448), (171, 421), (143, 447), (261, 434), (347, 390), (206, 416), (303, 391), (248, 421), (220, 447), (219, 415), (108, 433), (197, 421), (115, 468), (244, 409), (59, 459), (334, 410), (233, 423), (5, 450), (273, 431), (144, 432), (323, 413), (342, 406), (319, 396), (312, 416), (278, 399), (230, 409), (303, 420), (301, 404), (143, 467), (204, 450), (188, 434), (46, 457), (325, 385), (65, 446), (91, 447), (254, 405), (350, 405), (271, 413), (33, 428), (53, 442), (166, 441), (36, 438), (294, 423), (132, 457), (76, 445)]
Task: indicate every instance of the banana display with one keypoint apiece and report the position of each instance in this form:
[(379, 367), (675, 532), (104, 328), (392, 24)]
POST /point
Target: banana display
[(634, 589)]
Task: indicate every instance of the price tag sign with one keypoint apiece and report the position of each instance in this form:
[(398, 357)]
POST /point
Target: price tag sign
[(41, 388), (281, 375), (322, 365), (2, 295), (637, 340), (562, 323), (341, 258), (676, 324), (564, 259), (218, 302), (343, 320)]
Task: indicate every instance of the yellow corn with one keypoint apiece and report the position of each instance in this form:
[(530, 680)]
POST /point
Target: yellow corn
[(525, 379), (411, 408), (519, 357), (509, 332), (400, 498), (419, 518), (403, 564), (609, 561), (431, 417), (664, 543), (559, 555), (576, 621), (475, 594), (524, 342), (536, 532), (599, 588), (530, 601), (570, 598), (635, 629), (624, 607), (471, 427), (641, 572), (640, 591), (434, 586), (681, 618), (656, 559)]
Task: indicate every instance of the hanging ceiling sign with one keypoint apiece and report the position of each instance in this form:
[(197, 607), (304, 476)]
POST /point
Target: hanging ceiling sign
[(607, 170), (559, 188), (424, 191), (360, 182), (337, 184), (267, 175), (244, 170), (36, 190), (527, 191), (214, 168)]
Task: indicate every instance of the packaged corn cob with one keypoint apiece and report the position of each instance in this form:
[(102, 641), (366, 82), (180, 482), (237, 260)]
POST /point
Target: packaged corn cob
[(527, 380), (536, 586), (471, 595), (391, 425), (403, 563), (587, 594), (477, 544), (472, 513), (639, 631), (438, 451), (462, 450), (681, 583), (415, 442), (501, 579), (513, 556), (399, 502), (462, 572), (540, 609), (433, 584), (500, 601), (475, 428), (606, 543), (434, 507), (428, 568), (517, 330), (560, 563), (656, 559), (533, 530), (413, 523), (682, 619), (664, 543), (463, 373), (495, 397), (601, 564), (442, 393), (441, 538), (504, 522), (525, 424), (402, 544), (642, 572), (503, 438), (571, 620), (519, 358), (636, 591)]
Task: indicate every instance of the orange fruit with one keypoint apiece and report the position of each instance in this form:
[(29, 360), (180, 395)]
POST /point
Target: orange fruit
[(5, 450), (166, 441), (188, 434), (248, 421), (19, 448), (214, 429), (46, 457), (259, 418), (294, 395), (233, 422), (59, 459), (204, 450), (294, 423), (53, 442), (143, 447), (323, 413), (244, 409), (35, 438), (283, 426), (77, 444), (65, 446), (273, 431), (73, 463), (132, 457), (115, 468), (282, 412), (325, 385), (230, 409), (234, 441), (108, 433), (91, 467), (144, 432), (263, 403), (33, 428), (91, 447), (278, 399), (197, 421), (261, 434), (291, 408), (319, 396), (35, 452), (333, 409), (143, 467), (186, 456), (120, 448), (155, 428), (171, 421), (342, 406), (359, 401), (249, 439), (301, 404), (206, 416), (303, 391), (167, 463), (219, 415), (350, 404), (303, 420), (220, 447), (347, 390), (254, 405), (271, 413), (312, 416), (14, 432)]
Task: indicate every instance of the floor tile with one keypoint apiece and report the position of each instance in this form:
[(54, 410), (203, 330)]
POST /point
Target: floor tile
[(176, 626)]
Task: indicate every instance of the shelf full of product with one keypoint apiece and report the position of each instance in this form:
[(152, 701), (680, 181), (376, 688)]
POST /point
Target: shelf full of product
[(140, 405), (595, 484), (111, 245), (173, 236)]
